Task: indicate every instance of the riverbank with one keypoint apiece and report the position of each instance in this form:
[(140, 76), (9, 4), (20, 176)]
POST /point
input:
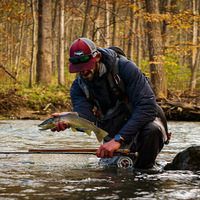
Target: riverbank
[(33, 104), (42, 102)]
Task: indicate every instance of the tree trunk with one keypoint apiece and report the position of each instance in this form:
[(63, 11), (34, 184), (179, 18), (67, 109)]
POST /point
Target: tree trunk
[(130, 39), (114, 23), (86, 20), (34, 42), (96, 24), (107, 30), (19, 45), (167, 32), (61, 74), (158, 75), (139, 41), (44, 55), (193, 79), (195, 55), (55, 28), (69, 25)]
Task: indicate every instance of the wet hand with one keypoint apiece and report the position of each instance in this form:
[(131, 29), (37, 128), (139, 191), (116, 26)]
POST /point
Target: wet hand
[(106, 150), (60, 126)]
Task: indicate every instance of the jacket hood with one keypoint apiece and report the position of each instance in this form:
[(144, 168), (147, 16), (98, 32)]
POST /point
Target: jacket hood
[(108, 57)]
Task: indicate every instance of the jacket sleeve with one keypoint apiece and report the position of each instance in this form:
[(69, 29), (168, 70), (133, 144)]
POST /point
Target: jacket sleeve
[(141, 96), (81, 104)]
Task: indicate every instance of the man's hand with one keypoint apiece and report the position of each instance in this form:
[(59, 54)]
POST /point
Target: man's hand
[(61, 126), (106, 150)]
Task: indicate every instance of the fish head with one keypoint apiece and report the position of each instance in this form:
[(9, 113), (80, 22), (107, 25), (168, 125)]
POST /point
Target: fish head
[(48, 123)]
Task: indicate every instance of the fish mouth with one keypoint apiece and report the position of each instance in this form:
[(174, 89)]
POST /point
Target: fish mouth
[(41, 127), (40, 124)]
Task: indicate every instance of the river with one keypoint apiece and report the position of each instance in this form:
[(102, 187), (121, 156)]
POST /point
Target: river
[(25, 176)]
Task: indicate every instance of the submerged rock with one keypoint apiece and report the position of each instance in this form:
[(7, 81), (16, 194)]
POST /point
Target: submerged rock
[(188, 159)]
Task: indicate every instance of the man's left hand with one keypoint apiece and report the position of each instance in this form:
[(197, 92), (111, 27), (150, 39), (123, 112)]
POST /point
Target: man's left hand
[(106, 150)]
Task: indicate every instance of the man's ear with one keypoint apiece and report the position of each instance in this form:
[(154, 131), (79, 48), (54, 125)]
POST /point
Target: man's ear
[(98, 56)]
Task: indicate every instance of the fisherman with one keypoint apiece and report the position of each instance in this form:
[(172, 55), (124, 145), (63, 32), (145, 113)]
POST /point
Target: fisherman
[(130, 115)]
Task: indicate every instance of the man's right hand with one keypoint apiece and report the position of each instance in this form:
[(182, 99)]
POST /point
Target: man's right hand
[(61, 126)]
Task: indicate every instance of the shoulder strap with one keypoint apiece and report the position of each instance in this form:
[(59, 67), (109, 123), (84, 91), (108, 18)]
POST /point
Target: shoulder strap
[(118, 50), (83, 87), (89, 95), (116, 83)]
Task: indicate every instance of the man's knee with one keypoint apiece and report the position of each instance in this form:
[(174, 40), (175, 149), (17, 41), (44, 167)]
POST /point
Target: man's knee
[(151, 130), (149, 143), (151, 135)]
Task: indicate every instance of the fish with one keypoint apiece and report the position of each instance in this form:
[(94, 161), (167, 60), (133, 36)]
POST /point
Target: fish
[(76, 124)]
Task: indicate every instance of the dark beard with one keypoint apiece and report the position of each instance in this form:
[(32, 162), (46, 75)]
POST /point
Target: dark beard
[(96, 72), (95, 75)]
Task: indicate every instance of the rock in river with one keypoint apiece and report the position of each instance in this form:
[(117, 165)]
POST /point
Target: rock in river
[(188, 159)]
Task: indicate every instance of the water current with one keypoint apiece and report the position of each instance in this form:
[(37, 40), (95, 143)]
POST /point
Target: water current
[(24, 176)]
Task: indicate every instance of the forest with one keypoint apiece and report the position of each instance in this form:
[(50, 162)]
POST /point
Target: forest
[(161, 36)]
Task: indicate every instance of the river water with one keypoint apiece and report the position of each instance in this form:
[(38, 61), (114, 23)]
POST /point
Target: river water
[(25, 176)]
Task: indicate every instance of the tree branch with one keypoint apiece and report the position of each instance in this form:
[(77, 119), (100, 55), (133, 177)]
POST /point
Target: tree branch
[(2, 67)]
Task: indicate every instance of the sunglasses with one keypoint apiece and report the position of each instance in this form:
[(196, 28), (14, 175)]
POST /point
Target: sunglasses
[(81, 59)]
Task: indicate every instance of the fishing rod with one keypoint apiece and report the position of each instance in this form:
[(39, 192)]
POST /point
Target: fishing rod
[(118, 152)]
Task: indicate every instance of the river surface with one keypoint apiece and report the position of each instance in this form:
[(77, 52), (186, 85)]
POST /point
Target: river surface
[(25, 176)]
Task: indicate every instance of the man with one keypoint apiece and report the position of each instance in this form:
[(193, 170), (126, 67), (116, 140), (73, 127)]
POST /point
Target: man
[(132, 119)]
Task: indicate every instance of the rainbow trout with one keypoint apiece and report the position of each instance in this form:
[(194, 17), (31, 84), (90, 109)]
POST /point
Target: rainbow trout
[(76, 124)]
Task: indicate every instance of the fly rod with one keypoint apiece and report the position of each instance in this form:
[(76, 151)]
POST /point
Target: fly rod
[(118, 152)]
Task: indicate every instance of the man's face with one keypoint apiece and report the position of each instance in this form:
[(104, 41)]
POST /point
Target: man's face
[(89, 75)]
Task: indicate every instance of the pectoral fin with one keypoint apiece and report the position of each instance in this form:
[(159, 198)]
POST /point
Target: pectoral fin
[(73, 129), (88, 132)]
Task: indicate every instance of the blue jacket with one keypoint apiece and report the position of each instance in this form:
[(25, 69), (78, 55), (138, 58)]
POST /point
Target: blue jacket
[(138, 90)]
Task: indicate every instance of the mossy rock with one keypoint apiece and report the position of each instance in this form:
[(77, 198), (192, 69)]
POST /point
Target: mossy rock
[(188, 159)]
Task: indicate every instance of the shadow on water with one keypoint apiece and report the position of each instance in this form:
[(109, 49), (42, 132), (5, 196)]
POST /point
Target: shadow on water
[(80, 177)]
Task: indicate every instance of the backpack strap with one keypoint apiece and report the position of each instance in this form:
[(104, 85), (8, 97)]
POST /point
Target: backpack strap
[(84, 87), (116, 83), (118, 50), (89, 95)]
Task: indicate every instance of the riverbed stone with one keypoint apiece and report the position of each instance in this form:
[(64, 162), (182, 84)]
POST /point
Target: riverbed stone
[(188, 159)]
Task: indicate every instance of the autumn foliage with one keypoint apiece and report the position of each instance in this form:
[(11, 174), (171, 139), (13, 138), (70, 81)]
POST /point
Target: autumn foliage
[(109, 23)]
